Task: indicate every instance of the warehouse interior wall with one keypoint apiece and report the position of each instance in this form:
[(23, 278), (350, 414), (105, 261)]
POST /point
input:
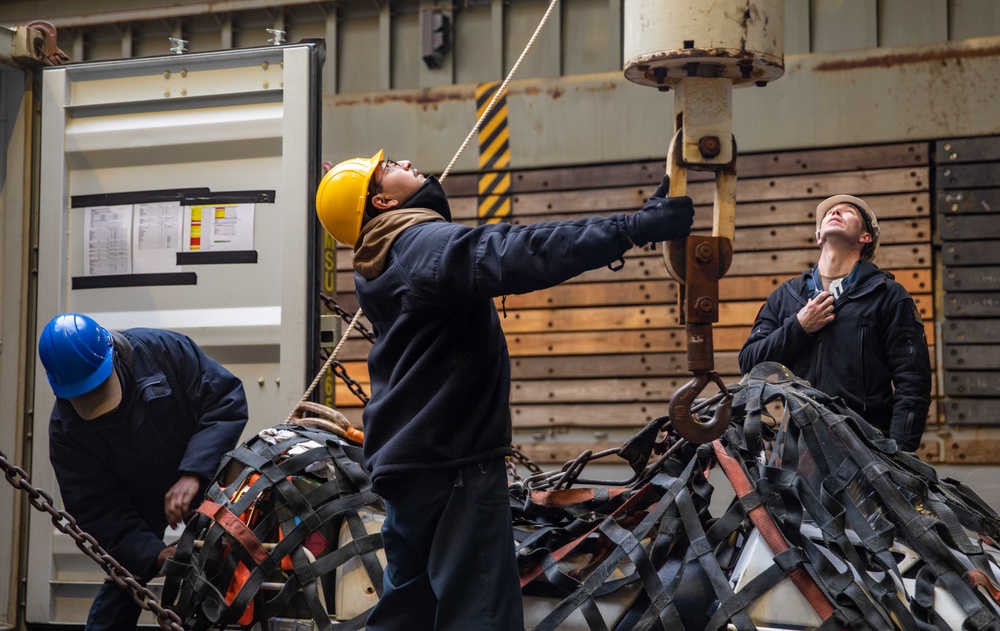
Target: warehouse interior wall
[(858, 74)]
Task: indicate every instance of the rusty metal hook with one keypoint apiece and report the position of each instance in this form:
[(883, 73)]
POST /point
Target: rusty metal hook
[(688, 425)]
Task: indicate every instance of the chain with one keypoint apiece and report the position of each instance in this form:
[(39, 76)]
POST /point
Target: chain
[(338, 369), (524, 461), (66, 524), (346, 316)]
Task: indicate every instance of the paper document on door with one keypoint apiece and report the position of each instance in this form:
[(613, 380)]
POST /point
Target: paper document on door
[(218, 227), (107, 234), (157, 234)]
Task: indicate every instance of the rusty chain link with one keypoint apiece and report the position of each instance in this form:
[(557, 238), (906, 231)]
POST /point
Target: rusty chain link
[(524, 461), (346, 316), (340, 371), (66, 524)]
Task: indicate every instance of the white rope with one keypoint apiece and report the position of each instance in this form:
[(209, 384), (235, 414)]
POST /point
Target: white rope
[(444, 174), (500, 91), (326, 366)]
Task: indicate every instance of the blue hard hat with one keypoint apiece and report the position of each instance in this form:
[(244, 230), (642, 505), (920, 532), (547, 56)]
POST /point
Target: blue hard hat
[(77, 353)]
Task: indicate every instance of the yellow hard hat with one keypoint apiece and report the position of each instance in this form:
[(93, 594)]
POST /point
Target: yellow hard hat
[(340, 198)]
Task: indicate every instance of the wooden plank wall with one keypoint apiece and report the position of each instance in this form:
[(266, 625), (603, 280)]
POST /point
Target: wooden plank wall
[(599, 356), (968, 210)]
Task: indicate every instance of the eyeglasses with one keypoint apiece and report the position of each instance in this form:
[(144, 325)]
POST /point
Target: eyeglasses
[(387, 165)]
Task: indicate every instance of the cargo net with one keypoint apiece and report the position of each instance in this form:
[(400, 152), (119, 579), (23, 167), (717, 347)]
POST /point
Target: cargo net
[(287, 529), (830, 527)]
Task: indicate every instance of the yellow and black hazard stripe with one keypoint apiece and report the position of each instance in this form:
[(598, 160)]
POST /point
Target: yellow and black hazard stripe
[(494, 157)]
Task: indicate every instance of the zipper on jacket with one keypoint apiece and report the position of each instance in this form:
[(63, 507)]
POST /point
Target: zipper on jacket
[(817, 367), (158, 386), (861, 367)]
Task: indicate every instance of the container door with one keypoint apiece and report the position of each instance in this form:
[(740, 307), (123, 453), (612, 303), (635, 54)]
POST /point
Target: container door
[(176, 193)]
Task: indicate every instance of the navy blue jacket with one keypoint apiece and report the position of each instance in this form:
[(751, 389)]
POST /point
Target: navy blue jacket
[(440, 372), (873, 355), (180, 413)]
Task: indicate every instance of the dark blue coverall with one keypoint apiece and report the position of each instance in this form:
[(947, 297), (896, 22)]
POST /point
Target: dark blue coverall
[(181, 411)]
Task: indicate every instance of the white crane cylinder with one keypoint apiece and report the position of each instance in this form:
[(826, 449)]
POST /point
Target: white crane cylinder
[(668, 40)]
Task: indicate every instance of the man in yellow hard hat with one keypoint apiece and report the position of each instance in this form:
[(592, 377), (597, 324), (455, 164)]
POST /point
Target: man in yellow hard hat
[(437, 426), (849, 328)]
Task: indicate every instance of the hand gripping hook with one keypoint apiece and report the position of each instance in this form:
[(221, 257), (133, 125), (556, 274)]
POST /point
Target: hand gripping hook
[(686, 423)]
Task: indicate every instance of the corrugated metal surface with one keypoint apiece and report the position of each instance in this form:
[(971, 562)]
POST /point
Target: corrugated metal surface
[(968, 179), (597, 357)]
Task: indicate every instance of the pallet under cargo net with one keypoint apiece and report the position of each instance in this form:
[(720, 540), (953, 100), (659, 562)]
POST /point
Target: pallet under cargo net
[(830, 528)]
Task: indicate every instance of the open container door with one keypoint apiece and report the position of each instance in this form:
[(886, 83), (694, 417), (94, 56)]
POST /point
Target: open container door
[(177, 193), (22, 54)]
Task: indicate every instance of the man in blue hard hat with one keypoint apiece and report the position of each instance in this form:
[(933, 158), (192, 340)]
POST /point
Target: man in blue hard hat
[(141, 422)]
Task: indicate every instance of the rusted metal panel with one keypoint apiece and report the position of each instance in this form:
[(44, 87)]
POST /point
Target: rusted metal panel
[(594, 318), (972, 356), (972, 305), (908, 22), (648, 265), (970, 227), (972, 18), (971, 331), (603, 390), (592, 415), (557, 452), (749, 213), (833, 160), (547, 206), (620, 365), (972, 411), (794, 261), (959, 150), (972, 383), (971, 201), (979, 451), (655, 291), (804, 236), (968, 175), (807, 188), (749, 165), (844, 25), (971, 253), (727, 338), (977, 278)]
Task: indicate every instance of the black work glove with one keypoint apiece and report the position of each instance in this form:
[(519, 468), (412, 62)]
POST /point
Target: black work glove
[(662, 218)]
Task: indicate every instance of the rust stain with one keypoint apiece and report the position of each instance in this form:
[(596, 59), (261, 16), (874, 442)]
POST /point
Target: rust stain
[(426, 99), (902, 59), (607, 86), (556, 92)]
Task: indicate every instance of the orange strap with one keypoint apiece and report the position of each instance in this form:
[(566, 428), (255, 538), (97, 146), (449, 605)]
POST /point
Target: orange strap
[(567, 497), (772, 535), (977, 578), (232, 524)]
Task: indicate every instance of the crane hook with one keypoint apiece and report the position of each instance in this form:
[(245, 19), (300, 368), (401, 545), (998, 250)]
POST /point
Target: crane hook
[(690, 426)]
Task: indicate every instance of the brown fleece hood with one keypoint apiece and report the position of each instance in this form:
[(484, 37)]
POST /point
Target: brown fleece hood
[(372, 249)]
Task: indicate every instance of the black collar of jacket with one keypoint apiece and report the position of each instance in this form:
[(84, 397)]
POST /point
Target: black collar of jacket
[(869, 277), (371, 252), (430, 195)]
